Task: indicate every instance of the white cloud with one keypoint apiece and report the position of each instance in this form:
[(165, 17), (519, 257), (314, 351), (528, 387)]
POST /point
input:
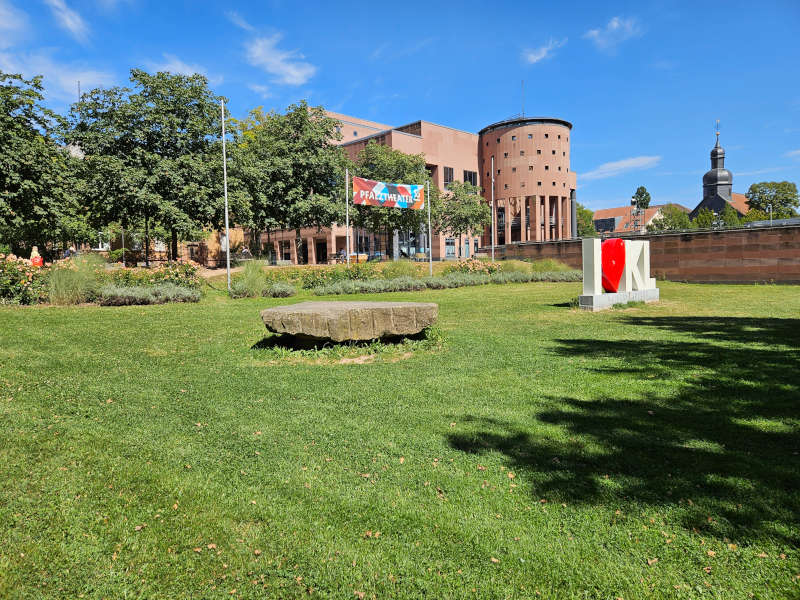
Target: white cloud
[(13, 24), (793, 154), (59, 79), (616, 31), (760, 171), (618, 167), (235, 18), (69, 20), (287, 66), (175, 65), (261, 90), (546, 51)]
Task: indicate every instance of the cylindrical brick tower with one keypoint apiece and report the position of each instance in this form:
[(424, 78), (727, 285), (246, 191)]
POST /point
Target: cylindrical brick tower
[(534, 187)]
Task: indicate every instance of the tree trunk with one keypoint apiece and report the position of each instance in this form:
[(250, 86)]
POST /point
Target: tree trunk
[(298, 245), (174, 246), (147, 241)]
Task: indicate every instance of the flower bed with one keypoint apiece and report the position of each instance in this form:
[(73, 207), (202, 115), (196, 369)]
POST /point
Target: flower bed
[(20, 282)]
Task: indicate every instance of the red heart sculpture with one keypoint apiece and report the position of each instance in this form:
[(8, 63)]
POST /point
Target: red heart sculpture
[(612, 258)]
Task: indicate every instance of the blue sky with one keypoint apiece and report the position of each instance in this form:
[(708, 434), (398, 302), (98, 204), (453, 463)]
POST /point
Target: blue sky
[(643, 83)]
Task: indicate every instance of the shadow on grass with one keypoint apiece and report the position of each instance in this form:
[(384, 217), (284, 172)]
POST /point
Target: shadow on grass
[(285, 341), (725, 435)]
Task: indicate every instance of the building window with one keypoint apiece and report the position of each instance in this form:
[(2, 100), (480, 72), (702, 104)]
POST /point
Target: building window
[(559, 137), (554, 152), (530, 136), (530, 167), (563, 154), (450, 247), (471, 177), (355, 133), (505, 186), (522, 184), (539, 183), (448, 176), (513, 138), (498, 171), (522, 152), (487, 143), (513, 169), (547, 167), (559, 168), (488, 174), (554, 183), (546, 135), (498, 140), (476, 244), (538, 151), (505, 154), (563, 185)]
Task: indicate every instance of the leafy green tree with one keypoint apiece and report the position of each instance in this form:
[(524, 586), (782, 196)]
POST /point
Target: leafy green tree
[(157, 149), (641, 198), (290, 169), (704, 219), (729, 216), (383, 163), (37, 205), (782, 195), (755, 214), (672, 218), (463, 210), (585, 222)]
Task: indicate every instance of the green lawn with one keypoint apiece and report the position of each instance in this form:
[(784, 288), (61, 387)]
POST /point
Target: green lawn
[(652, 452)]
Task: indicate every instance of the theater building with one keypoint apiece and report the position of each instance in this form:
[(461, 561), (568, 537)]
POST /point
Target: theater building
[(533, 183), (534, 187)]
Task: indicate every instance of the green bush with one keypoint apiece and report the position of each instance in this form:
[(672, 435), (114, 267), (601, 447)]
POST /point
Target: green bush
[(515, 266), (21, 283), (548, 265), (472, 266), (115, 256), (399, 268), (279, 289), (179, 272), (75, 280), (313, 278), (451, 280), (117, 295)]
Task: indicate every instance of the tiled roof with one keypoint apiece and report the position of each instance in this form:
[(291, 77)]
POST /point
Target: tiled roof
[(739, 202), (625, 216)]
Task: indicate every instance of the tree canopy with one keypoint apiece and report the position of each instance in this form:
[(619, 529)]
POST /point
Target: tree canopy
[(585, 218), (153, 152), (641, 198), (781, 195), (672, 218), (463, 210), (37, 200)]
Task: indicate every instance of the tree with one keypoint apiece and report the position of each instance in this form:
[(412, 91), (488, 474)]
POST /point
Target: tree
[(641, 198), (290, 169), (755, 214), (156, 149), (585, 221), (672, 218), (704, 219), (383, 163), (463, 210), (729, 216), (36, 203), (782, 195)]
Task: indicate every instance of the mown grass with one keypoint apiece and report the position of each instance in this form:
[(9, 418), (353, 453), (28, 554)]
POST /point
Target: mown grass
[(651, 452)]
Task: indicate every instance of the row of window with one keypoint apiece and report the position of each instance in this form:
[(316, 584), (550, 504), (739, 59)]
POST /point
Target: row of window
[(538, 151), (530, 168), (530, 137), (469, 176), (538, 183)]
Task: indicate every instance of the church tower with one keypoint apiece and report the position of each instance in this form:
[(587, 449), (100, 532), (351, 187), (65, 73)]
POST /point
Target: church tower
[(718, 181)]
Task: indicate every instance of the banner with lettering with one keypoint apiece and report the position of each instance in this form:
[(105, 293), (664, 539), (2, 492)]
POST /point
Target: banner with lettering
[(394, 195)]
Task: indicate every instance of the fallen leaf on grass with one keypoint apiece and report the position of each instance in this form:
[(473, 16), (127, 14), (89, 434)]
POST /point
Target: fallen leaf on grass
[(257, 552), (763, 555), (707, 569), (402, 459), (365, 475), (140, 527), (198, 549), (494, 560), (175, 506), (481, 468), (652, 561), (711, 553), (511, 475), (212, 546), (360, 595)]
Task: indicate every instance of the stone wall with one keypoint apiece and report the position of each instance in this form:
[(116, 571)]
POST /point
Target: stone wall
[(754, 255)]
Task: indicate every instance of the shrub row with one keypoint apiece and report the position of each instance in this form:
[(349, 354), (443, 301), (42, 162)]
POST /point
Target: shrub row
[(452, 280), (120, 295), (279, 289), (21, 283)]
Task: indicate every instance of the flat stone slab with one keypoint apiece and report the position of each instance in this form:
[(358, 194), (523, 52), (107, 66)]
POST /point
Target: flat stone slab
[(350, 321), (603, 301)]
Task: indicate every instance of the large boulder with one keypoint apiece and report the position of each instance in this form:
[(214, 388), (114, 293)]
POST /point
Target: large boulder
[(346, 321)]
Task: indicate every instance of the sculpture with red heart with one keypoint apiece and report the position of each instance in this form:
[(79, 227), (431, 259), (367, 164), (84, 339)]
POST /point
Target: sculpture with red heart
[(612, 253)]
